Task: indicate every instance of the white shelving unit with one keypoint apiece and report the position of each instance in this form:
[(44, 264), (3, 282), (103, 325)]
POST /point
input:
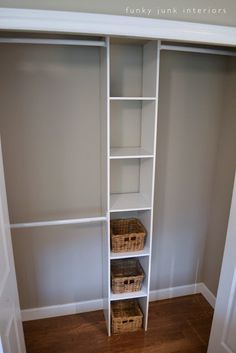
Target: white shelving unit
[(131, 128)]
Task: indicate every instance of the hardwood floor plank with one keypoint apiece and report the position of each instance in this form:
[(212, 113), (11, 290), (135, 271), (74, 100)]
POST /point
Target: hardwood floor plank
[(179, 325)]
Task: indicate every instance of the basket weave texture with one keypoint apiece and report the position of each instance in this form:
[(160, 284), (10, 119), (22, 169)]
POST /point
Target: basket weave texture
[(126, 276), (127, 235), (126, 316)]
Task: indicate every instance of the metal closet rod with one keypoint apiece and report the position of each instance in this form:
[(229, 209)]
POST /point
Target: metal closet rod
[(73, 42), (59, 222), (197, 50)]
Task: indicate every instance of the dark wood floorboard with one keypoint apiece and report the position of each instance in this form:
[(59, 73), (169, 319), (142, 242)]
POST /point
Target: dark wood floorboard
[(179, 325)]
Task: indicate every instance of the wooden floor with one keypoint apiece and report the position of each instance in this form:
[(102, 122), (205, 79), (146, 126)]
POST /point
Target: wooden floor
[(180, 325)]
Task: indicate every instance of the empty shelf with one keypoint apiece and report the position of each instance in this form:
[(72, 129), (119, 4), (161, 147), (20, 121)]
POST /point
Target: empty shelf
[(128, 202), (129, 152), (133, 98)]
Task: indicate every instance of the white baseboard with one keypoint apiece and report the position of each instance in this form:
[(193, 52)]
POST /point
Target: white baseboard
[(180, 291), (207, 294), (61, 310), (97, 304), (174, 292)]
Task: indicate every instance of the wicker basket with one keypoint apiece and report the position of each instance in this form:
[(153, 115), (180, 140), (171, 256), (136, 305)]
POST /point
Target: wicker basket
[(126, 316), (127, 235), (126, 276)]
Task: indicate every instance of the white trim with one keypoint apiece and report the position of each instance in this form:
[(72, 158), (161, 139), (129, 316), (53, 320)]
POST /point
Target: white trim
[(7, 331), (61, 310), (87, 23), (97, 304), (1, 346), (180, 291), (6, 336), (174, 292), (228, 318), (207, 294), (6, 257)]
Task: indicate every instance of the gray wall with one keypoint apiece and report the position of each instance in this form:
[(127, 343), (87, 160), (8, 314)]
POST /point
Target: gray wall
[(223, 184), (196, 160), (190, 112), (217, 12), (58, 265), (48, 94)]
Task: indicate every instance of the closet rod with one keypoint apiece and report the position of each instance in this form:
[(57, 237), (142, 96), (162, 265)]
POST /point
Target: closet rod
[(59, 222), (198, 50), (75, 42)]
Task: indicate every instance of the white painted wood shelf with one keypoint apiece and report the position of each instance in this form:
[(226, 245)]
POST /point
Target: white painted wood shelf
[(132, 295), (130, 254), (129, 152), (129, 202), (132, 98)]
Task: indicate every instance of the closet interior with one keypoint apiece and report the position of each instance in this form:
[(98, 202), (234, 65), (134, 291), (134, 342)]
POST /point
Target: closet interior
[(95, 130), (196, 158)]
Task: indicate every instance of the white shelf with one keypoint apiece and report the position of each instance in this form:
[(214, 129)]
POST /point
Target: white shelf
[(126, 255), (129, 152), (132, 98), (128, 202), (122, 296)]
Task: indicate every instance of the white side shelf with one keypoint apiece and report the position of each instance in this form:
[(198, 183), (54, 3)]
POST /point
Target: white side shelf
[(129, 152), (139, 294), (132, 98), (128, 202), (126, 255)]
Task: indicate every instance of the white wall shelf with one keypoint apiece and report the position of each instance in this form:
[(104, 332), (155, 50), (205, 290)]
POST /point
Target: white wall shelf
[(132, 98), (128, 202), (129, 152), (127, 255), (132, 295)]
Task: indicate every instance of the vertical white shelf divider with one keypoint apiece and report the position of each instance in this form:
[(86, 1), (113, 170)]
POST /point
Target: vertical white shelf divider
[(108, 183), (150, 82), (153, 176), (105, 179)]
